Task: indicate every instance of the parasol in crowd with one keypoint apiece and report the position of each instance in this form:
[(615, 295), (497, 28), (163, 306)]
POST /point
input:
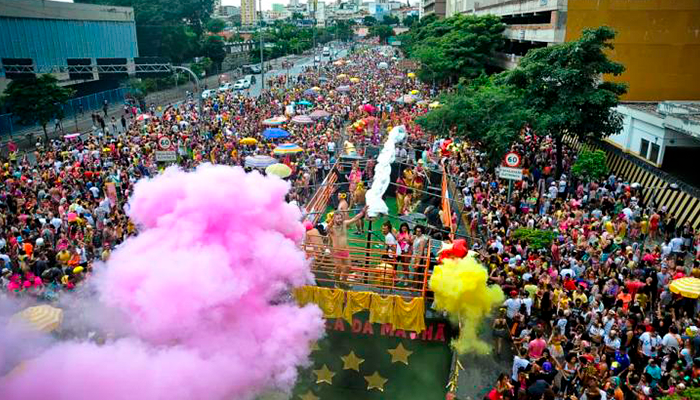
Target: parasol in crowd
[(42, 318), (279, 120), (310, 92), (259, 161), (278, 169), (248, 141), (435, 104), (71, 136), (687, 287), (414, 92), (344, 88), (341, 76), (287, 148), (411, 75), (275, 133), (305, 103), (302, 119), (143, 117), (316, 88), (369, 108), (383, 65), (339, 62), (320, 114), (354, 80)]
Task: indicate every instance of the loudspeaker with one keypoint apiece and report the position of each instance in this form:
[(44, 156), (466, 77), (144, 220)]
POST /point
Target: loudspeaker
[(78, 73), (27, 70), (117, 68)]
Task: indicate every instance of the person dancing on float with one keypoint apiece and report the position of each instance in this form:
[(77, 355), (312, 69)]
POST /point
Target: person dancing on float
[(339, 238)]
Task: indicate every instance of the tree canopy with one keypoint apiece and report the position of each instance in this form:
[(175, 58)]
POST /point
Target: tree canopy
[(452, 48), (37, 100), (590, 165), (383, 32), (485, 111), (215, 25), (171, 29), (369, 20), (563, 85)]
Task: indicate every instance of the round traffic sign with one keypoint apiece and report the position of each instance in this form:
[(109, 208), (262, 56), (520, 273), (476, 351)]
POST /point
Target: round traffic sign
[(512, 159), (164, 143)]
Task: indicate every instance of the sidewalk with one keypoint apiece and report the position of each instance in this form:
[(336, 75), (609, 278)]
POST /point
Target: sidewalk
[(83, 122)]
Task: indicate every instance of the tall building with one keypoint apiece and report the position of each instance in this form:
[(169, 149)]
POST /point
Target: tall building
[(293, 3), (248, 12), (437, 7), (657, 41)]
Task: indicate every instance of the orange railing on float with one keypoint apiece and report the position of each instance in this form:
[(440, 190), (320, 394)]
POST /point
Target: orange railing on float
[(316, 206), (366, 265)]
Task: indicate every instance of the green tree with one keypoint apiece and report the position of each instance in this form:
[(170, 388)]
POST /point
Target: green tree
[(37, 100), (213, 48), (484, 111), (383, 32), (452, 48), (390, 20), (590, 165), (163, 26), (410, 20), (563, 84), (215, 25), (369, 20), (536, 239)]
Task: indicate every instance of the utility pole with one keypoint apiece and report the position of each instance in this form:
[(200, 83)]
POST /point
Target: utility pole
[(262, 61), (313, 29)]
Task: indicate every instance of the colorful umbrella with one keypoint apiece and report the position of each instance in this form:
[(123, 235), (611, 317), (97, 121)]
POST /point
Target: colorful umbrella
[(414, 91), (343, 88), (411, 75), (687, 287), (280, 170), (248, 141), (259, 161), (305, 103), (354, 80), (369, 108), (316, 88), (71, 136), (143, 117), (42, 318), (320, 114), (302, 119), (383, 65), (341, 76), (275, 133), (408, 99), (279, 120), (287, 148)]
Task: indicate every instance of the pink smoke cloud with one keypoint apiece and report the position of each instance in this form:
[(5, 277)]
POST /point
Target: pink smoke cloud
[(217, 247)]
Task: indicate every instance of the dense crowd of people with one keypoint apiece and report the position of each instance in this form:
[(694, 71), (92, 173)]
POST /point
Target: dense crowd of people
[(589, 315)]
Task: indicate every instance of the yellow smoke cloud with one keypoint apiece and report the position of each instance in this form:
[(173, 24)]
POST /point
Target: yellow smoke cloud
[(460, 289)]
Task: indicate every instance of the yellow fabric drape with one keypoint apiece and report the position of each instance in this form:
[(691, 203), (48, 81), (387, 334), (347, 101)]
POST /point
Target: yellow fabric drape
[(356, 302), (304, 295), (409, 316), (381, 309), (330, 301)]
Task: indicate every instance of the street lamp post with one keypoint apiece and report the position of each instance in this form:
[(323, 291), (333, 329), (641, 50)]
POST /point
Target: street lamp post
[(262, 61)]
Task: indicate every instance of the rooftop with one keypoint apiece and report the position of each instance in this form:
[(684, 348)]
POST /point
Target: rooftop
[(682, 116), (42, 9)]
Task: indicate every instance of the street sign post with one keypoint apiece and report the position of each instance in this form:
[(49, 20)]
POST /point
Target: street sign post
[(512, 174), (512, 159), (166, 155)]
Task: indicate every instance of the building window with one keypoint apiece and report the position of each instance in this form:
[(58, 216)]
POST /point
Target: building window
[(644, 148), (654, 153)]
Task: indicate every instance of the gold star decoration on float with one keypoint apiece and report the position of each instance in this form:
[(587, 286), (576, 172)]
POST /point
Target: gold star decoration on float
[(308, 396), (375, 381), (315, 347), (351, 361), (324, 375), (399, 354)]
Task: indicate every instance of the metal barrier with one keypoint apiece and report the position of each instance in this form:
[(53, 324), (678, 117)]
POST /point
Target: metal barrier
[(72, 108), (318, 203), (366, 265)]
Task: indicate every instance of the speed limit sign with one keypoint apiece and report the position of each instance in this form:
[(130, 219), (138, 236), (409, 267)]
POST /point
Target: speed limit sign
[(512, 159), (164, 143)]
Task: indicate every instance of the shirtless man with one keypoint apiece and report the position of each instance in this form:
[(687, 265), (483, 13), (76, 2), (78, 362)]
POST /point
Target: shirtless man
[(338, 232)]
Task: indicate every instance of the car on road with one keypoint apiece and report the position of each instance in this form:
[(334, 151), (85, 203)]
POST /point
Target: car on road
[(226, 87), (317, 59), (241, 84), (208, 93), (252, 69), (326, 51)]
